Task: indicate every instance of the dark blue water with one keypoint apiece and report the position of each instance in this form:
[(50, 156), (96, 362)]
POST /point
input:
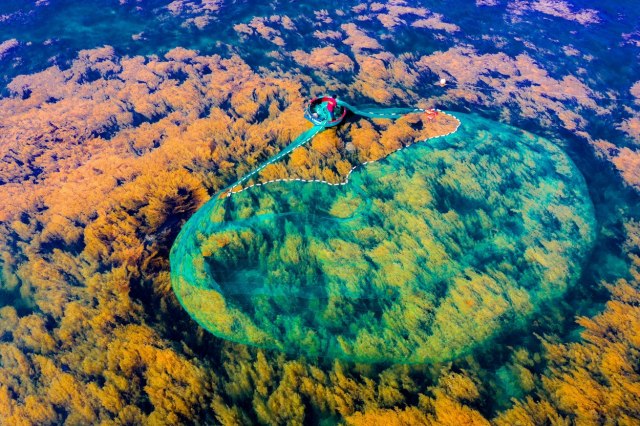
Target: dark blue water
[(53, 34)]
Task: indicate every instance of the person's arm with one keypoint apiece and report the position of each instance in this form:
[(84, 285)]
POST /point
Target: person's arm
[(326, 113)]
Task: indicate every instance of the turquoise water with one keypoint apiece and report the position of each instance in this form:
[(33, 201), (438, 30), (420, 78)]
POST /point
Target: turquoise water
[(422, 256), (54, 32), (476, 243)]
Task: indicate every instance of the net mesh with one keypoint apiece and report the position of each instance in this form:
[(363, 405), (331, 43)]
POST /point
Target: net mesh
[(422, 256)]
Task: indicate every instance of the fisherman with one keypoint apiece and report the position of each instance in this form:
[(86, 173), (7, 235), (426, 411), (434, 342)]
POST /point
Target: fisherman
[(325, 111), (327, 108)]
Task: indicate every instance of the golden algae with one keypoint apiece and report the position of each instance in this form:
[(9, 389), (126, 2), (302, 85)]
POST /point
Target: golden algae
[(422, 256)]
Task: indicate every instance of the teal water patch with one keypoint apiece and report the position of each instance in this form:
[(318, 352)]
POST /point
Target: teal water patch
[(421, 257)]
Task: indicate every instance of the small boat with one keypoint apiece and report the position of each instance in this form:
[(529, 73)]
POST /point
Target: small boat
[(325, 111)]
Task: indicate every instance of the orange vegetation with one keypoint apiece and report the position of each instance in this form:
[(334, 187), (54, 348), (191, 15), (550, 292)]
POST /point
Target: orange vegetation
[(91, 205), (635, 90), (631, 127), (102, 163), (396, 12), (266, 28), (557, 8), (332, 154), (399, 78), (200, 13), (358, 39), (523, 88), (625, 160), (7, 46), (324, 58), (435, 22)]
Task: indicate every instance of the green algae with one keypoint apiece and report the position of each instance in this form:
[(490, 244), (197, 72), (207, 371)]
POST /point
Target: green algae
[(421, 257)]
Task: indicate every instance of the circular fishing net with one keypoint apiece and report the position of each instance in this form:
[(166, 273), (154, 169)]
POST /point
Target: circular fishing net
[(421, 257)]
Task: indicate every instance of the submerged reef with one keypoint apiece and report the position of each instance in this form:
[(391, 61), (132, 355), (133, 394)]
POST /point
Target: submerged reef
[(107, 151), (422, 256)]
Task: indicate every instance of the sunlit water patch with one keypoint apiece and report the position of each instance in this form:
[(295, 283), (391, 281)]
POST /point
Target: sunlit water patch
[(421, 257)]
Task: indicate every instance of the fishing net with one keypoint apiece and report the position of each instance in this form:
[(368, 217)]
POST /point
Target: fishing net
[(421, 257)]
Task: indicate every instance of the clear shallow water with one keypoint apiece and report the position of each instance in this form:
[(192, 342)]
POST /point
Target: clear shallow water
[(607, 63), (420, 257), (54, 32)]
